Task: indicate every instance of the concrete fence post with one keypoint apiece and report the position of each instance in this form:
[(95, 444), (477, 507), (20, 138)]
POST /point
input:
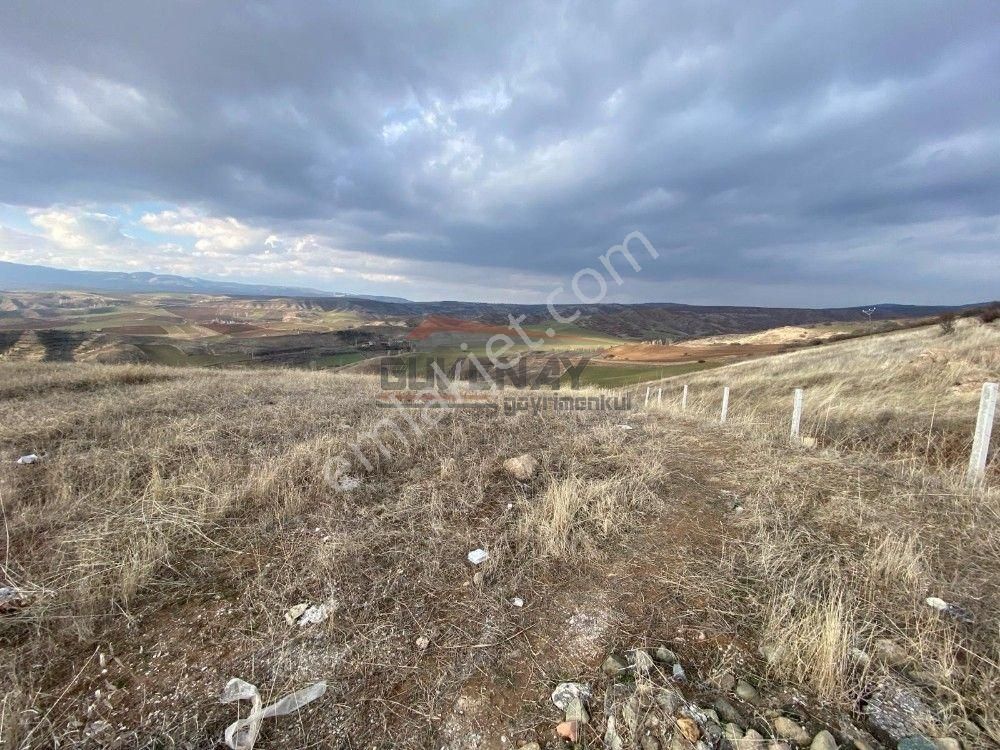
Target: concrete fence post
[(984, 428), (684, 398), (796, 415), (725, 404), (659, 397), (646, 402)]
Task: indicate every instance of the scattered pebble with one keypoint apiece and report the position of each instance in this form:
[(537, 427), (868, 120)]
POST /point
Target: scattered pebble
[(747, 692), (790, 730), (823, 741), (614, 665)]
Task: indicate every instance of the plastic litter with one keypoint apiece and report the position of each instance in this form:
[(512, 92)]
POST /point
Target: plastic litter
[(950, 608), (308, 614), (478, 556), (517, 601), (315, 614), (294, 613), (31, 458), (242, 734)]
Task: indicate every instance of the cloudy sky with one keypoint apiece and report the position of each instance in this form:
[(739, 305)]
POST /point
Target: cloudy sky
[(806, 153)]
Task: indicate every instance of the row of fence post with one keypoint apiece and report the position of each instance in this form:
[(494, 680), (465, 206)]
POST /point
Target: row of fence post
[(980, 439)]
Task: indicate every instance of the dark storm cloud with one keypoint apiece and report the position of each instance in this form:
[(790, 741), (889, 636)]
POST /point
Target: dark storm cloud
[(807, 152)]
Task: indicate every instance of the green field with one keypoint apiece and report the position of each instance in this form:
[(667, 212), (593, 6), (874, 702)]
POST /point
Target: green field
[(621, 375)]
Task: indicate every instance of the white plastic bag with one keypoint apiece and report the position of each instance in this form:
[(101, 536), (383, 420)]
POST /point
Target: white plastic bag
[(242, 734)]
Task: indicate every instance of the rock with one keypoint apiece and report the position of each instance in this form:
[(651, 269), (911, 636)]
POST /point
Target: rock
[(790, 730), (807, 442), (712, 733), (689, 729), (728, 712), (711, 714), (522, 467), (889, 652), (614, 665), (678, 673), (423, 642), (916, 742), (648, 742), (732, 732), (823, 741), (776, 745), (725, 681), (568, 730), (530, 746), (576, 711), (858, 656), (612, 740), (567, 691), (896, 712), (947, 743), (630, 715), (643, 662), (669, 700), (752, 740), (747, 692), (665, 655)]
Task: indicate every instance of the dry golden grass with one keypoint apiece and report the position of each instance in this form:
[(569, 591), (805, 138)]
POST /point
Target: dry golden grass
[(912, 394), (573, 516), (168, 501), (178, 513)]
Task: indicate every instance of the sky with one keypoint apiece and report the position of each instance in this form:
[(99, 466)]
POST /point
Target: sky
[(808, 153)]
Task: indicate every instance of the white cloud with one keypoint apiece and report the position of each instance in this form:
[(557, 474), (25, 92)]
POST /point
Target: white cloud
[(76, 229)]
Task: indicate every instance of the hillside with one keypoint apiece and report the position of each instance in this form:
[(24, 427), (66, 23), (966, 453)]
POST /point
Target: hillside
[(226, 329), (653, 320), (913, 394), (741, 586)]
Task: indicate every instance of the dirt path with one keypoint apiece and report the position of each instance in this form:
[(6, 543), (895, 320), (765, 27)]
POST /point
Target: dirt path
[(630, 598)]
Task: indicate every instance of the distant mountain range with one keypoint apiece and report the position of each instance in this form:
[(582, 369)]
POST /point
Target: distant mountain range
[(27, 278), (643, 321)]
